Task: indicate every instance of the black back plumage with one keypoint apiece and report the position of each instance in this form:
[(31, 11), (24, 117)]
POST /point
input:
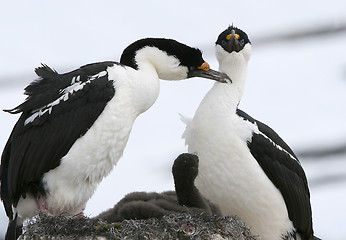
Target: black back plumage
[(36, 146), (46, 88), (285, 173)]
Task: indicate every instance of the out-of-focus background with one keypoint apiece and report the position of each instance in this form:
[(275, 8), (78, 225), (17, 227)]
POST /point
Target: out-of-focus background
[(296, 81)]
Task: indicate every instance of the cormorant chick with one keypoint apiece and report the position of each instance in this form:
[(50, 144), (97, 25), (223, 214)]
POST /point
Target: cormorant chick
[(185, 171), (186, 198)]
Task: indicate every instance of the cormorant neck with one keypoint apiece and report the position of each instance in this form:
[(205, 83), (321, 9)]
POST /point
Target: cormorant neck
[(235, 66)]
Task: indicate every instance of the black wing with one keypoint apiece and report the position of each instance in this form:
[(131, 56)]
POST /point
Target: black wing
[(285, 172), (267, 131), (59, 109)]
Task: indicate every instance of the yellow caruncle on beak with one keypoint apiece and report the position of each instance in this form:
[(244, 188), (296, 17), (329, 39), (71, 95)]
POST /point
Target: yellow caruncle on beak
[(228, 37), (205, 66)]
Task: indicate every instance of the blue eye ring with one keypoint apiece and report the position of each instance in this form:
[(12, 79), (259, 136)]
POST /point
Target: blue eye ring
[(242, 41), (223, 42)]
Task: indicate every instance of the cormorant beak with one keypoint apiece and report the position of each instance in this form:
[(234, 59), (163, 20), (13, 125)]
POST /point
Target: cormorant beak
[(204, 71), (233, 43)]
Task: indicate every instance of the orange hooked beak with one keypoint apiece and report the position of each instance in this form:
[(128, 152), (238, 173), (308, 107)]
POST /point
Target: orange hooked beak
[(205, 66)]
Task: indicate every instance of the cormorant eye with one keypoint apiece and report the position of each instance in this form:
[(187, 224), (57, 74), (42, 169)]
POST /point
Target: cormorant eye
[(192, 68), (242, 41), (223, 43)]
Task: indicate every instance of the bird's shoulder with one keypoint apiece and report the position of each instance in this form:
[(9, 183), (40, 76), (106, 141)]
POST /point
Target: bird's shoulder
[(268, 131), (51, 85)]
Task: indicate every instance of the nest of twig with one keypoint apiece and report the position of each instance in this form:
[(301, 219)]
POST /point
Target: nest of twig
[(175, 226)]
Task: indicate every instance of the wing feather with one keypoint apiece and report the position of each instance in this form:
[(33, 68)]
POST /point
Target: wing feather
[(284, 172)]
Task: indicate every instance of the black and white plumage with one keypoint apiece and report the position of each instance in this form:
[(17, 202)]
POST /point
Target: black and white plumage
[(245, 167), (185, 198), (74, 127)]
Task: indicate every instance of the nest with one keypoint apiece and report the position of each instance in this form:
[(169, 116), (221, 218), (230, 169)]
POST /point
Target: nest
[(175, 226)]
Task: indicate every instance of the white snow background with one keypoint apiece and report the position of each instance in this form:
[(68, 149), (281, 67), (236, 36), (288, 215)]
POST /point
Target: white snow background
[(298, 87)]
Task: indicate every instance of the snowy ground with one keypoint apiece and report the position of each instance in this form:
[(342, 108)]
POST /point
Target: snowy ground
[(297, 87)]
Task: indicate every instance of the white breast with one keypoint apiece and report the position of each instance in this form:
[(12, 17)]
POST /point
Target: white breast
[(228, 174)]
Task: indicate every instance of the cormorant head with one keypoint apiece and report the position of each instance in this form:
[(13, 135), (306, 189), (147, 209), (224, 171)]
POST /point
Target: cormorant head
[(233, 47), (233, 39), (172, 60), (233, 52)]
